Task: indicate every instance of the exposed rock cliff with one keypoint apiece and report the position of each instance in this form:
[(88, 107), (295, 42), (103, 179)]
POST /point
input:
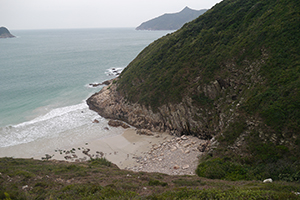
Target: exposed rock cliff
[(223, 96)]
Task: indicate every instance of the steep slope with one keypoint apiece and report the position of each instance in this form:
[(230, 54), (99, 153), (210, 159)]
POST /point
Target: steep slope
[(4, 33), (233, 75), (171, 21)]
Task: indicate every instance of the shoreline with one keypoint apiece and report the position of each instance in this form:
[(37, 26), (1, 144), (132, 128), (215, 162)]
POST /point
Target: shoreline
[(152, 152), (160, 152), (121, 150)]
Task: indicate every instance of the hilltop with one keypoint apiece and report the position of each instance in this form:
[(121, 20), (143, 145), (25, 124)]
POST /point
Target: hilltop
[(171, 21), (230, 77), (4, 33)]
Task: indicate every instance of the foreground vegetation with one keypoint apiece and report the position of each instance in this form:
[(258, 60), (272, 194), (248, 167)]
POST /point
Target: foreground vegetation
[(100, 179)]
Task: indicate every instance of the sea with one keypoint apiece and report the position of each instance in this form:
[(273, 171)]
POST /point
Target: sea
[(45, 78)]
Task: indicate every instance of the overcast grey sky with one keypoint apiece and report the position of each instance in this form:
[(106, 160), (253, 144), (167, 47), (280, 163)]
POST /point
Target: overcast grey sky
[(51, 14)]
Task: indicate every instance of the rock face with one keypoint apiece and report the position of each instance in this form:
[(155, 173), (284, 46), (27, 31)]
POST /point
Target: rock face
[(115, 123), (186, 117), (4, 33)]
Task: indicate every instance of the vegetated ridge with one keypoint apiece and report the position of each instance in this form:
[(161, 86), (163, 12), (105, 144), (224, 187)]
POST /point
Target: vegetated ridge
[(231, 76), (4, 33), (100, 179), (171, 21)]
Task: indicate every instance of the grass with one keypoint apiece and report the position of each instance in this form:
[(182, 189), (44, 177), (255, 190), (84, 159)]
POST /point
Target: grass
[(109, 182)]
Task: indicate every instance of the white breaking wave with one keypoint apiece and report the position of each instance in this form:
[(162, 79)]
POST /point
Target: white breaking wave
[(54, 113), (50, 125), (114, 71)]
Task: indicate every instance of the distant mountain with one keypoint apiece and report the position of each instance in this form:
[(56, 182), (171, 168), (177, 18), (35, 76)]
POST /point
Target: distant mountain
[(172, 21), (4, 33)]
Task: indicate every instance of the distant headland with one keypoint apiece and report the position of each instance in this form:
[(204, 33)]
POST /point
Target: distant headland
[(4, 33), (172, 21)]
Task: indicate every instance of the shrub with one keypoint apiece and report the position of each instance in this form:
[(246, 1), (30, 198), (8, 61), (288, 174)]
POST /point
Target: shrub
[(157, 183), (100, 161)]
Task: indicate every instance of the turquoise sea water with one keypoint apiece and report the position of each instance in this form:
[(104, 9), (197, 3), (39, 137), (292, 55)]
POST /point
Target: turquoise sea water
[(45, 77)]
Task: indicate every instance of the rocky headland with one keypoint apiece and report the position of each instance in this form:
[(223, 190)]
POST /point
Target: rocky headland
[(4, 33), (233, 81)]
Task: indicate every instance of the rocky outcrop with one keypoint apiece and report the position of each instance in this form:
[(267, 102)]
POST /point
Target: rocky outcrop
[(174, 118), (4, 33), (221, 100), (100, 84), (115, 123)]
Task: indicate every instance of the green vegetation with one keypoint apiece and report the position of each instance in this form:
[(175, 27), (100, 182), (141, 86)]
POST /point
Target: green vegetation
[(157, 182), (34, 179), (251, 48)]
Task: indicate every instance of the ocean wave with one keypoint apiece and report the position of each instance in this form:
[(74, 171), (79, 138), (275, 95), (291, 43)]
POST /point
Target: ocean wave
[(54, 113), (50, 125), (114, 71)]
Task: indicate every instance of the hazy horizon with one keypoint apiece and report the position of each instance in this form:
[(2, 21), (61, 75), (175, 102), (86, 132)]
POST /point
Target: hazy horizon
[(78, 14)]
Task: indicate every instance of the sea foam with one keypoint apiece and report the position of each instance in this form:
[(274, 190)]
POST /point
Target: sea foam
[(57, 123)]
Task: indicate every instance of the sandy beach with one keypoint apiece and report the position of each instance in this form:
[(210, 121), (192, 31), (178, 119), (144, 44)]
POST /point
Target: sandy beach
[(121, 150), (159, 152), (153, 152)]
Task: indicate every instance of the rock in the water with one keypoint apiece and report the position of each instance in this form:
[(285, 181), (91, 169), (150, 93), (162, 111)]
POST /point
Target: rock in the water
[(106, 82), (4, 33), (99, 84)]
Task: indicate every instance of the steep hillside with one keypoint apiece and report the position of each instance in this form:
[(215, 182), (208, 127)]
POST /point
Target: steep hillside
[(172, 21), (232, 75)]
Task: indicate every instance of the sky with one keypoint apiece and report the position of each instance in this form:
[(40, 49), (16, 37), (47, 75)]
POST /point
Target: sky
[(66, 14)]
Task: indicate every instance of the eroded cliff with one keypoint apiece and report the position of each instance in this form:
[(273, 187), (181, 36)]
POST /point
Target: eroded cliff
[(220, 99)]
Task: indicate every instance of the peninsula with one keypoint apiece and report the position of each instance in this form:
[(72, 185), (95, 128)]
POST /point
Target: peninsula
[(230, 77), (4, 33), (172, 21)]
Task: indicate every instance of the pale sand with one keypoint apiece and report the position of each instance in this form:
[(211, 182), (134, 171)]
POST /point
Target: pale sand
[(121, 150)]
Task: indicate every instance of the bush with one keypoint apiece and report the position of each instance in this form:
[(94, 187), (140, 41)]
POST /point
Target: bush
[(217, 168), (157, 183), (100, 161)]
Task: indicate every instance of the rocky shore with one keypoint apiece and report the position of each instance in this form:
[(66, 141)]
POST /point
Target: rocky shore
[(141, 150), (176, 119), (177, 154)]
